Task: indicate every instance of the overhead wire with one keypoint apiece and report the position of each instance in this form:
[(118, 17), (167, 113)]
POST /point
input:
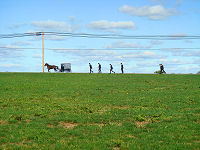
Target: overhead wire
[(93, 49), (107, 36)]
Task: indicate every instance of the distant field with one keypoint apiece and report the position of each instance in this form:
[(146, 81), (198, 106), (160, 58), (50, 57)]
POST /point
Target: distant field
[(99, 111)]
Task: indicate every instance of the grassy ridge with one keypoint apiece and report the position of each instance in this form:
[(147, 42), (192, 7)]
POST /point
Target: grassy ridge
[(99, 111)]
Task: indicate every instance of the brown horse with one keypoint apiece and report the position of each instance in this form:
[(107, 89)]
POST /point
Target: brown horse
[(51, 67)]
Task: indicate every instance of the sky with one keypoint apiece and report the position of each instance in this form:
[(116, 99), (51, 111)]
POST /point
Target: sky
[(174, 18)]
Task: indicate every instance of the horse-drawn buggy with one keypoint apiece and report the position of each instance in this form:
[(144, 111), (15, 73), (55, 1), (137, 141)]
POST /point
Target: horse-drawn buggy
[(65, 67)]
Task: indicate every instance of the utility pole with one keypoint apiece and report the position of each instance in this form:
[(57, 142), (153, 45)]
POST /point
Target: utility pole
[(43, 50), (39, 34)]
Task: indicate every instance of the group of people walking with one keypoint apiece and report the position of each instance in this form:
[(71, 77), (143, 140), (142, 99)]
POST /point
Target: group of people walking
[(122, 68), (111, 68)]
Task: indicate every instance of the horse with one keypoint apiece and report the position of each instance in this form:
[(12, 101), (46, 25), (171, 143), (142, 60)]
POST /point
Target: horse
[(51, 67)]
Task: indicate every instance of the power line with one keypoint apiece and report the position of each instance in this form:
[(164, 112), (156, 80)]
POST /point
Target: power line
[(93, 49), (16, 35), (125, 36), (133, 49), (107, 36)]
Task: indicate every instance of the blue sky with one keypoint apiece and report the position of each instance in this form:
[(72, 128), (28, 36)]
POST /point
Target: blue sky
[(127, 17)]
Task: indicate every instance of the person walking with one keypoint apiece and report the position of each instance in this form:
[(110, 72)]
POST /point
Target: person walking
[(90, 68), (122, 68), (162, 69), (99, 67), (111, 69)]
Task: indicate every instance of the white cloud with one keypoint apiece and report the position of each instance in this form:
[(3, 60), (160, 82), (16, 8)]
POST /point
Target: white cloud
[(15, 26), (84, 53), (10, 52), (155, 42), (10, 65), (183, 52), (37, 56), (163, 60), (148, 53), (11, 47), (189, 69), (177, 36), (175, 61), (196, 61), (121, 44), (105, 25), (195, 53), (91, 55), (54, 25), (21, 43), (160, 2), (110, 55), (188, 41), (142, 55), (55, 38), (157, 12), (146, 64), (168, 2), (179, 2)]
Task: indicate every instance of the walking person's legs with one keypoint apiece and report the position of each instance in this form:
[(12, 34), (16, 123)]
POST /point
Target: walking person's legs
[(161, 72), (164, 71)]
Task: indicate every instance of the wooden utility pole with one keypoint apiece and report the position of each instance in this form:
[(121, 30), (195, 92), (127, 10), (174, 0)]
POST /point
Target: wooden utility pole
[(43, 50)]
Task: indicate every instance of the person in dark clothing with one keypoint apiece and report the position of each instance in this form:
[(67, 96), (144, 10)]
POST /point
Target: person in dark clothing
[(99, 67), (62, 68), (162, 69), (122, 68), (111, 69), (90, 68)]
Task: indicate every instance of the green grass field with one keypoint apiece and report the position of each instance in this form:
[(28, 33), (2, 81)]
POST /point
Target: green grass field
[(99, 111)]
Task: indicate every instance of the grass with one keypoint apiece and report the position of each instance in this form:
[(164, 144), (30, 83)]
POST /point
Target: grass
[(99, 111)]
